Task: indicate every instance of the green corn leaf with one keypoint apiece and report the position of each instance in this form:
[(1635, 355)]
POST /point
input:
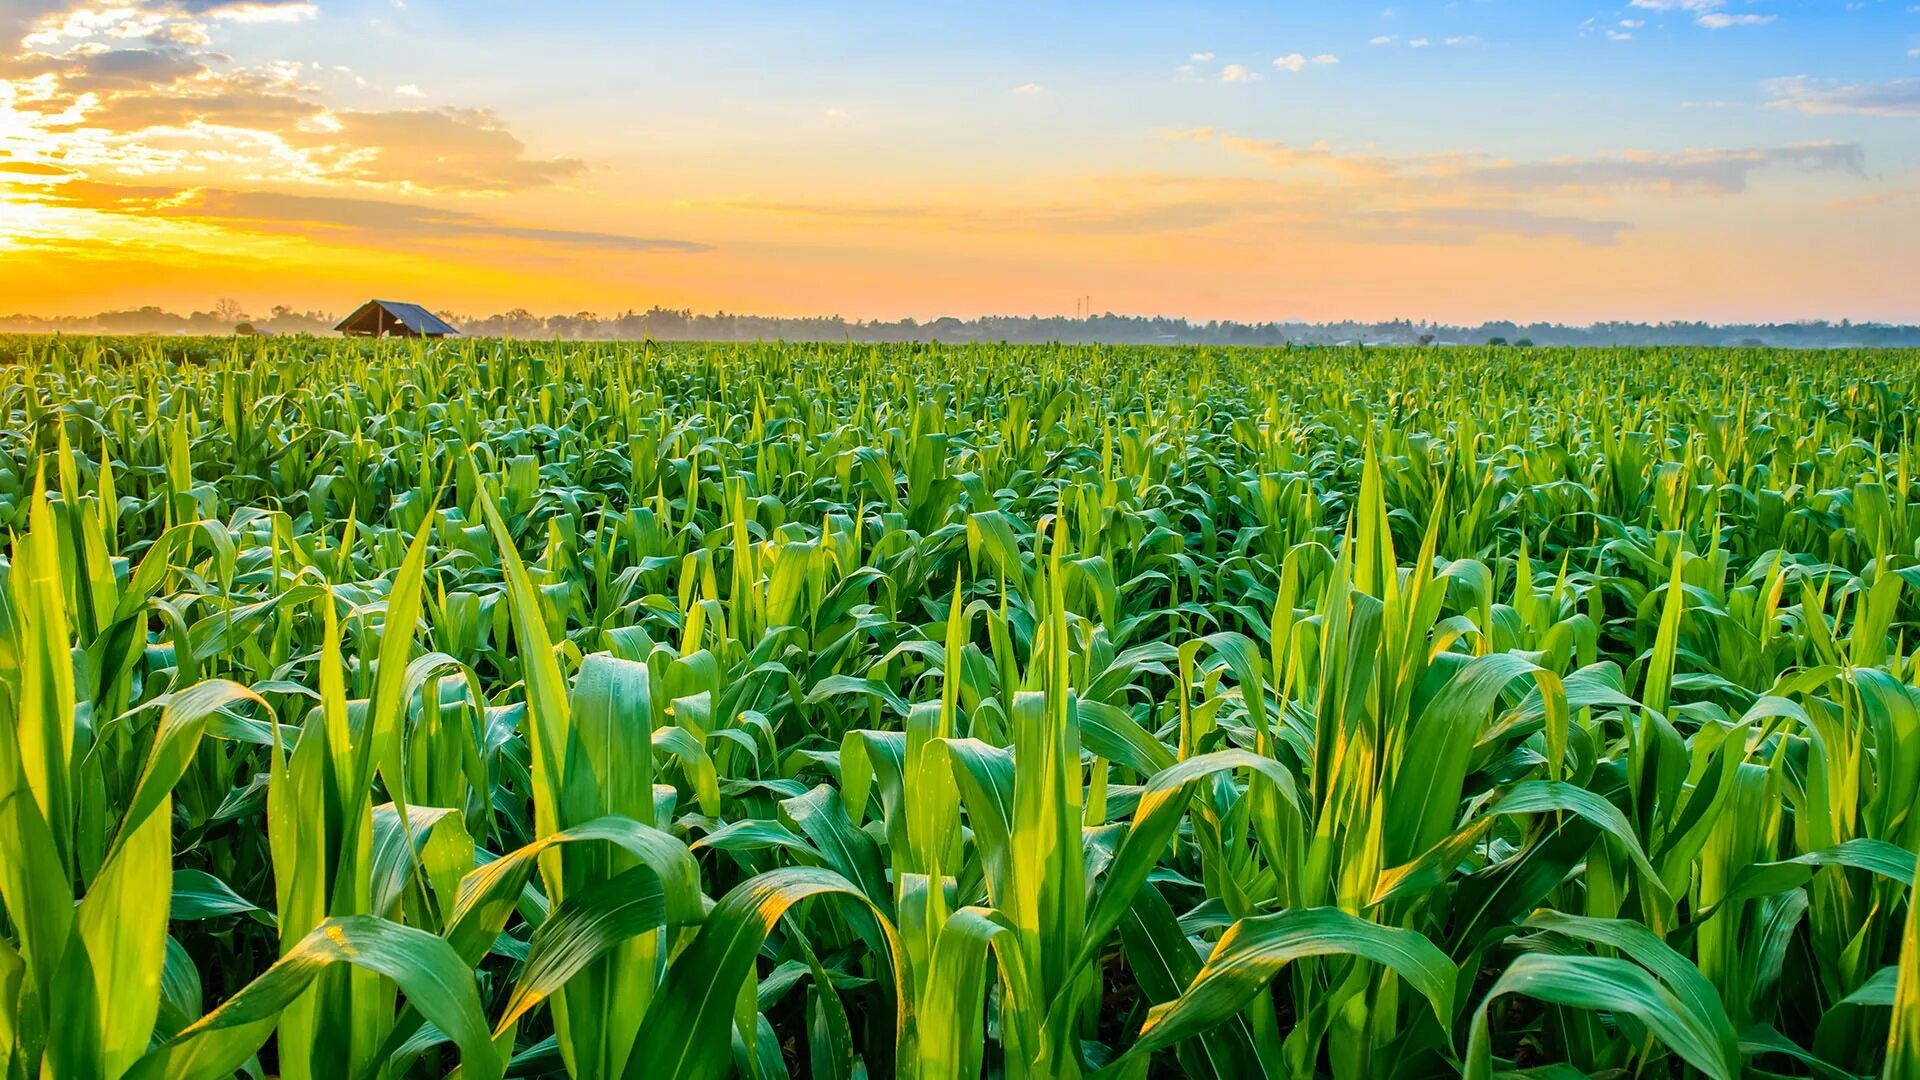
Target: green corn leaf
[(1255, 950), (684, 1035), (587, 925), (434, 978), (1583, 982)]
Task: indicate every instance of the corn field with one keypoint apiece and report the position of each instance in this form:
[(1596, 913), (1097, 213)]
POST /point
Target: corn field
[(382, 710)]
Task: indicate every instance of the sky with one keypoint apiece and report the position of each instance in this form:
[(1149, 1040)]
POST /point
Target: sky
[(1725, 160)]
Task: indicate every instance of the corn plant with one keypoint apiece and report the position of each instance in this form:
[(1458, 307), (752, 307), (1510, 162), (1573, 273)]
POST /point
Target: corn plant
[(390, 710)]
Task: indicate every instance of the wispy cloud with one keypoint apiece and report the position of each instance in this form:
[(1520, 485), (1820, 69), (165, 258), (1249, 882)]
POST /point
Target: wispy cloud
[(254, 10), (1706, 13), (1298, 62), (1700, 171), (326, 218), (1315, 190), (1897, 97), (1138, 205)]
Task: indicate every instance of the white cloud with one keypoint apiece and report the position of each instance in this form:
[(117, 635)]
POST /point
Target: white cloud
[(1201, 57), (408, 90), (1418, 43), (263, 12), (1236, 73), (1029, 89), (1297, 62), (1383, 39), (1706, 13), (1897, 97)]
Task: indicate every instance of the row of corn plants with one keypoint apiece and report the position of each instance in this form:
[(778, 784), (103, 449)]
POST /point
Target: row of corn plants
[(390, 710)]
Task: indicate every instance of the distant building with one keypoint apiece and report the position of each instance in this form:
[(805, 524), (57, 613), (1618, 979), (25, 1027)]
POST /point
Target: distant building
[(388, 318)]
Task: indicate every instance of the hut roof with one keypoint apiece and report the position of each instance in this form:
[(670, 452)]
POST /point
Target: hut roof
[(416, 320)]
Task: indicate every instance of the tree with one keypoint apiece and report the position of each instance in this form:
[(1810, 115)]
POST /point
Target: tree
[(228, 310), (1496, 342)]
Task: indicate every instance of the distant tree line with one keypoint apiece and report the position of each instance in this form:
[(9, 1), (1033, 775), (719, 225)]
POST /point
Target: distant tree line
[(665, 324)]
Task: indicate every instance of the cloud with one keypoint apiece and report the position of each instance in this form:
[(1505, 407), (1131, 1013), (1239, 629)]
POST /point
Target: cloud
[(1895, 197), (265, 12), (1464, 224), (138, 87), (34, 168), (1297, 62), (1236, 73), (1700, 171), (1897, 97), (257, 9), (1142, 214), (1705, 13), (324, 218), (1201, 57), (1278, 211), (319, 215), (1716, 171), (432, 149), (239, 103), (1451, 198), (161, 66), (1028, 89), (1456, 41), (1319, 192)]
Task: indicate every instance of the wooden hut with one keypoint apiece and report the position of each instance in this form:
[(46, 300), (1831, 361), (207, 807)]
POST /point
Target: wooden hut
[(390, 318)]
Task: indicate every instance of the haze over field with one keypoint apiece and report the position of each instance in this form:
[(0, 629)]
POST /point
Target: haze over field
[(1651, 159)]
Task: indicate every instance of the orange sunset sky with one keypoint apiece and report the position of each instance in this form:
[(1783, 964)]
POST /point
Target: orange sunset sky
[(1650, 159)]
